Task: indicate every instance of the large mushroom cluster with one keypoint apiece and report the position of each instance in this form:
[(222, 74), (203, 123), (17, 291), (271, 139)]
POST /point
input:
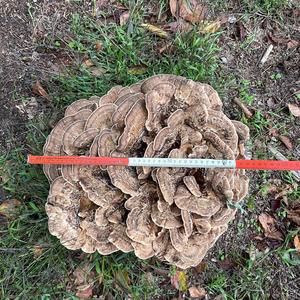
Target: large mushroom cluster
[(175, 214)]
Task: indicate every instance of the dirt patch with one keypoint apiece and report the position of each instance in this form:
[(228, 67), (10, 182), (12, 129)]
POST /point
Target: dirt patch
[(27, 33)]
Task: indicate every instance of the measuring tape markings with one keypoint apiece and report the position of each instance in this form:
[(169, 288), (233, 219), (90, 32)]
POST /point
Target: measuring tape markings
[(166, 162)]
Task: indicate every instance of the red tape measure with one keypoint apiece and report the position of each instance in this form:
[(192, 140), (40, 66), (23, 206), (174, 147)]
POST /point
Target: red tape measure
[(166, 162)]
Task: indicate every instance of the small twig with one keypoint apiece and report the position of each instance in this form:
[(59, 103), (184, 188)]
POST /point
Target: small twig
[(245, 109), (266, 54)]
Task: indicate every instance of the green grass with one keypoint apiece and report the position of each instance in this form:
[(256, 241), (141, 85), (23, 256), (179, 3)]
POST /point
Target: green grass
[(193, 55), (271, 8), (253, 275), (23, 274), (244, 92), (266, 6), (129, 54)]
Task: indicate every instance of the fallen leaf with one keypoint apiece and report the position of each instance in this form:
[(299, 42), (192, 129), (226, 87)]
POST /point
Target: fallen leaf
[(86, 293), (179, 281), (97, 71), (190, 10), (269, 227), (84, 278), (10, 208), (286, 141), (137, 70), (98, 46), (277, 39), (88, 63), (155, 30), (197, 292), (124, 17), (294, 109), (209, 27), (294, 215), (39, 90), (297, 243), (179, 26), (292, 44)]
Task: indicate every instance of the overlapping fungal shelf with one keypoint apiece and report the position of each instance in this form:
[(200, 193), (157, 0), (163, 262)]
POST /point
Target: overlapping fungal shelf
[(175, 214)]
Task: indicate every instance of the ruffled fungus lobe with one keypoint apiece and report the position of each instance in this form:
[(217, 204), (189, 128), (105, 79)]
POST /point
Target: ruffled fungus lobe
[(175, 214)]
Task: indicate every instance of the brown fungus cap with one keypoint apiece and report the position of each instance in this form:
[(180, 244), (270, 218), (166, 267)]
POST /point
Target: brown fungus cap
[(174, 214)]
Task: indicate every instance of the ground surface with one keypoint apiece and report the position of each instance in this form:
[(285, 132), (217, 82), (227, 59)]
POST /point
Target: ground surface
[(55, 42)]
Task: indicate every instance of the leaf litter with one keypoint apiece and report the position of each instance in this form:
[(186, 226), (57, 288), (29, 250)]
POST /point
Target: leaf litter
[(294, 109), (197, 292), (268, 224), (190, 10)]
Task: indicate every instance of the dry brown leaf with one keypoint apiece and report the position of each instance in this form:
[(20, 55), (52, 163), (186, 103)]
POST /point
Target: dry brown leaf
[(297, 243), (88, 63), (190, 10), (210, 27), (197, 292), (39, 90), (85, 293), (179, 26), (294, 215), (269, 226), (124, 17), (294, 109), (84, 281), (10, 208), (292, 44), (97, 71), (155, 30), (179, 281), (286, 141), (277, 39)]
